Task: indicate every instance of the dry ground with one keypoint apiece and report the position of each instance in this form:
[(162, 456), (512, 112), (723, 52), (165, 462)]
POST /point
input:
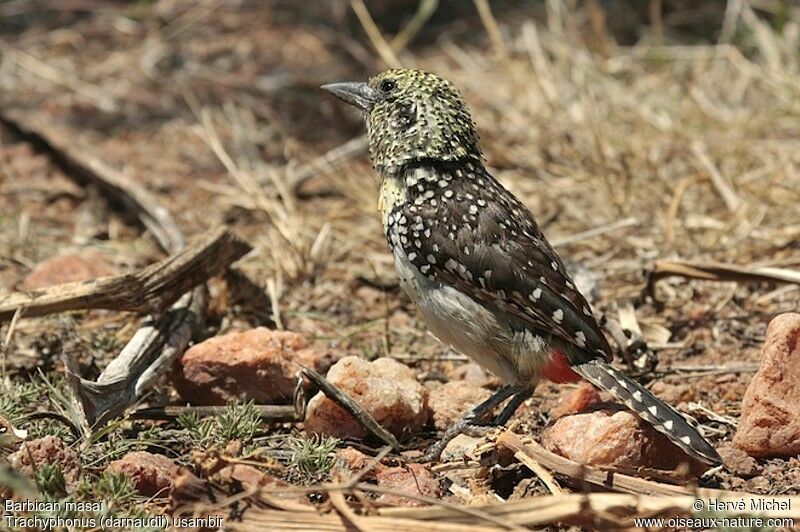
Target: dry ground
[(589, 120)]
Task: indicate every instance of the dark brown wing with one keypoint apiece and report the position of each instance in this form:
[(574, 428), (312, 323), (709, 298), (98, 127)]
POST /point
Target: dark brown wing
[(471, 233)]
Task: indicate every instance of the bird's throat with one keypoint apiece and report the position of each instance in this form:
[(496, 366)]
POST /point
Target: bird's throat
[(392, 193)]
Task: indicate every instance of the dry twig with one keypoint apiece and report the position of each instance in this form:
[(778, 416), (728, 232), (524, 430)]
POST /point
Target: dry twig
[(153, 348), (353, 408), (151, 289), (713, 271)]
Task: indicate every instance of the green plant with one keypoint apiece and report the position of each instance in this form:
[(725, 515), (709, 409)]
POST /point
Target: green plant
[(312, 456)]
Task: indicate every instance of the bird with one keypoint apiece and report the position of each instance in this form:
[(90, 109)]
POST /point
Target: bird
[(475, 263)]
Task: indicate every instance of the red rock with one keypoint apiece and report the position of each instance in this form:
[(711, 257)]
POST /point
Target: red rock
[(576, 401), (385, 388), (770, 420), (617, 439), (674, 394), (257, 364), (414, 479), (737, 461), (450, 401), (151, 473), (350, 461), (67, 269), (47, 450)]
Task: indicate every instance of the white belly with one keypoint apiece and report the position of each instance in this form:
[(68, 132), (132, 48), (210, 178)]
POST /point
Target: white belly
[(499, 342)]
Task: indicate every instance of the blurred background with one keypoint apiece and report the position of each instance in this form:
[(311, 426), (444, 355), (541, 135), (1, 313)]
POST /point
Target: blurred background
[(636, 131)]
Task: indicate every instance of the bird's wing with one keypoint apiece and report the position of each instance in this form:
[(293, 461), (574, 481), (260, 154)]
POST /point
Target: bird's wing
[(480, 240)]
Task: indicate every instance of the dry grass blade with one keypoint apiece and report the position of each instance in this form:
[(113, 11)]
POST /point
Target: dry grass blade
[(490, 23), (150, 290), (338, 501), (712, 271), (84, 165), (722, 185), (595, 231), (543, 474), (257, 519), (590, 509), (581, 473), (94, 95), (6, 345), (330, 160), (383, 48)]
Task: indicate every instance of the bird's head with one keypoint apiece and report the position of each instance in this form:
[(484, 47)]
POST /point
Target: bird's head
[(411, 115)]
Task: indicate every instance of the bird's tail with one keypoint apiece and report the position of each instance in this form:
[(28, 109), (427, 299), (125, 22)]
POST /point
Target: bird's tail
[(650, 408)]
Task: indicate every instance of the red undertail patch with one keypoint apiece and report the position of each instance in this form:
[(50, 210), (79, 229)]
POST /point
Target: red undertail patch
[(558, 369)]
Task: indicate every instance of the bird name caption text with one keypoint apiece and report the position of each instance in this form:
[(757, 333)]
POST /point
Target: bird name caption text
[(51, 515)]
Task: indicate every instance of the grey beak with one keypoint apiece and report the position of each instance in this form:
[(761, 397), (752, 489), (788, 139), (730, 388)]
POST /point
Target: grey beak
[(355, 93)]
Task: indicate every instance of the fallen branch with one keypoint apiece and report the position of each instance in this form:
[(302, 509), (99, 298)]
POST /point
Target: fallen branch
[(151, 289), (353, 408), (157, 343), (590, 509), (714, 271), (266, 519), (582, 473)]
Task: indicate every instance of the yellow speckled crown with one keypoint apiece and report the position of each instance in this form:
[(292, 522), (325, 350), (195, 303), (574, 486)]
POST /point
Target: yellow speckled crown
[(420, 116)]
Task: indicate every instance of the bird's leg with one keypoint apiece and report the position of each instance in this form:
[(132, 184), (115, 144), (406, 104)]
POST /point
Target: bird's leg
[(472, 419), (519, 397)]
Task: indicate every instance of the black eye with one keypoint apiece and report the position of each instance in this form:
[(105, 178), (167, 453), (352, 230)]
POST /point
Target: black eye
[(388, 85)]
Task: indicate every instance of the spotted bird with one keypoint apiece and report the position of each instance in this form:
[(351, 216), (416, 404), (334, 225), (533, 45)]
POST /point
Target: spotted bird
[(472, 258)]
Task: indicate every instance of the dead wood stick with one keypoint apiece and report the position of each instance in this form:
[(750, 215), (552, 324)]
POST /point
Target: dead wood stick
[(83, 165), (616, 509), (151, 289), (715, 271), (267, 519), (157, 343), (352, 407), (566, 467)]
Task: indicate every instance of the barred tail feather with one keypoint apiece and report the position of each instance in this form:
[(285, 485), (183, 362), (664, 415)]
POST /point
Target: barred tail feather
[(659, 414)]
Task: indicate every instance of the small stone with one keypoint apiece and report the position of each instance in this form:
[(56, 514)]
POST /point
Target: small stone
[(770, 420), (611, 438), (737, 461), (576, 401), (47, 450), (452, 400), (67, 269), (460, 448), (258, 364), (474, 374), (674, 394), (350, 461), (385, 388), (243, 477), (414, 479), (152, 474)]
